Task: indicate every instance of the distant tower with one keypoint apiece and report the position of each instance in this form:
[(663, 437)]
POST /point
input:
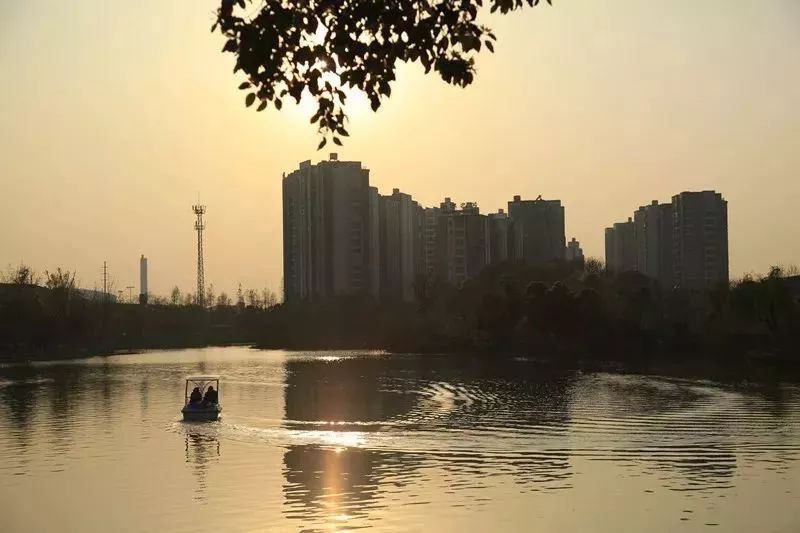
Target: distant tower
[(143, 280), (199, 225)]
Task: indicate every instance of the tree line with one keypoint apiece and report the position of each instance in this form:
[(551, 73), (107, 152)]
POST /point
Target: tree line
[(566, 309), (559, 309), (45, 315)]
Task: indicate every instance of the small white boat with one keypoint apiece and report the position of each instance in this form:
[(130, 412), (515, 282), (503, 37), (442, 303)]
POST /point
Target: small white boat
[(199, 407)]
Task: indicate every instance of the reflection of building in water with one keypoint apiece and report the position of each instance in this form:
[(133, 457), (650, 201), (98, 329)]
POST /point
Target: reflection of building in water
[(345, 390), (330, 484), (336, 485), (447, 398), (201, 451)]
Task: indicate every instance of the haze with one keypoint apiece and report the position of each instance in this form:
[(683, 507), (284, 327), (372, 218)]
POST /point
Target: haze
[(115, 115)]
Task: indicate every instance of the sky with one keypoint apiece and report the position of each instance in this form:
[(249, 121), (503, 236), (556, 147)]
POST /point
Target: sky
[(115, 116)]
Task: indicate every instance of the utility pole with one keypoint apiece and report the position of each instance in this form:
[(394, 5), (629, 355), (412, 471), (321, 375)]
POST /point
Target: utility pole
[(105, 282), (130, 293), (199, 225)]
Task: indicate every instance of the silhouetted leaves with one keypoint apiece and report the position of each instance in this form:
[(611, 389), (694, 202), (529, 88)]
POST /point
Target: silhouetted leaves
[(230, 46), (280, 49)]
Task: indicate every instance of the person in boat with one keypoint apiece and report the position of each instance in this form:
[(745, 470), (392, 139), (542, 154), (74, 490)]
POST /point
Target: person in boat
[(211, 396), (196, 396)]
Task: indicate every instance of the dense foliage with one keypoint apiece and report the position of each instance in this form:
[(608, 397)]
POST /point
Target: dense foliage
[(286, 47), (560, 308)]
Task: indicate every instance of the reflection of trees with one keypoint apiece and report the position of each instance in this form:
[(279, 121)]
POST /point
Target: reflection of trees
[(522, 411), (202, 449), (19, 398), (681, 431), (540, 404), (144, 391), (699, 469)]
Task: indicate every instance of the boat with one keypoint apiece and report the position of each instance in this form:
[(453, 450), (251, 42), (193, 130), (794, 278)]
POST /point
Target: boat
[(201, 410)]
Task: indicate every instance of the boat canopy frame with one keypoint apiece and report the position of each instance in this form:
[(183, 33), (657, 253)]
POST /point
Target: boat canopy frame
[(201, 382)]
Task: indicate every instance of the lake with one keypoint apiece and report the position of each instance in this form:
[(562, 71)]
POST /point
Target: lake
[(328, 441)]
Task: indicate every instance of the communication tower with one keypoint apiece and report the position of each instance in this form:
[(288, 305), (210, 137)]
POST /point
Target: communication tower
[(199, 225)]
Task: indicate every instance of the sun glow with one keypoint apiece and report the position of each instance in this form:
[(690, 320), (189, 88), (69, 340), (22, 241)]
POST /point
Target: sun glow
[(342, 439), (356, 104)]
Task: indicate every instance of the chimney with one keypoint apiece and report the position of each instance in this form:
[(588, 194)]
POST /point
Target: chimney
[(654, 202), (395, 191), (517, 198), (500, 211), (143, 280), (334, 156)]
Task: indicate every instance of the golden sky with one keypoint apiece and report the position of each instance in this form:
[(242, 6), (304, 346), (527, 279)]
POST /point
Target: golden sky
[(115, 115)]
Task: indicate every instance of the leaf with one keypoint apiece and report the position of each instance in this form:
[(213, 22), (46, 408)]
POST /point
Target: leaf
[(250, 99), (322, 144), (278, 104), (490, 46), (262, 106), (245, 85), (337, 141), (230, 46), (296, 91)]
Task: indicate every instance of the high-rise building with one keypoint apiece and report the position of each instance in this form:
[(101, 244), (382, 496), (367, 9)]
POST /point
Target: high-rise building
[(498, 228), (537, 229), (374, 243), (326, 230), (609, 242), (573, 252), (621, 247), (429, 240), (397, 223), (700, 239), (653, 239), (463, 242), (419, 241)]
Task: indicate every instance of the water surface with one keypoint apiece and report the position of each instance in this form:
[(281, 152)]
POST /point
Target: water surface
[(338, 441)]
